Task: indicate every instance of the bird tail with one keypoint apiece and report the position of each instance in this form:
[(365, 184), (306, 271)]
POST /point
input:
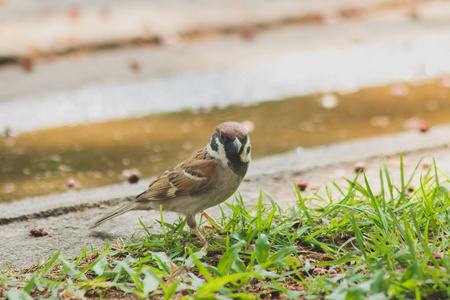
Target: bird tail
[(115, 213)]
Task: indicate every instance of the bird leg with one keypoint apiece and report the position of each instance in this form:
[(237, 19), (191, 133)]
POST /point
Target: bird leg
[(212, 221), (198, 234), (190, 220)]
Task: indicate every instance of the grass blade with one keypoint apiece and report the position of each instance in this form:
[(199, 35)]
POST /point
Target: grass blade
[(229, 257)]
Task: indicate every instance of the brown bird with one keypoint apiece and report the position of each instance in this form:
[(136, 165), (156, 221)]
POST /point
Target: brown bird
[(204, 180)]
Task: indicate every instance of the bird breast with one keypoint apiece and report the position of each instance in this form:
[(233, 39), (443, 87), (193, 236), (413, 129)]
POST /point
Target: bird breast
[(224, 184)]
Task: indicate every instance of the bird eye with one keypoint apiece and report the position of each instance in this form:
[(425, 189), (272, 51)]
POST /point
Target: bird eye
[(222, 135)]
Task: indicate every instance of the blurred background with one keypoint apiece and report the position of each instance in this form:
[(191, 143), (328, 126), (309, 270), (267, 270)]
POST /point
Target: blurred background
[(100, 92)]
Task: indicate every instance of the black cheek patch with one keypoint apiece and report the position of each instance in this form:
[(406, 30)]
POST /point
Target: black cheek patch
[(214, 144)]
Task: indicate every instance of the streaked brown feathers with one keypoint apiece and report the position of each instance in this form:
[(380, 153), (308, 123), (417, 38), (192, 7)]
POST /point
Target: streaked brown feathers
[(186, 179)]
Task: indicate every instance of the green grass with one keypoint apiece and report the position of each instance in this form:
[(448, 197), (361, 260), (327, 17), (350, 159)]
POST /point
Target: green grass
[(357, 244)]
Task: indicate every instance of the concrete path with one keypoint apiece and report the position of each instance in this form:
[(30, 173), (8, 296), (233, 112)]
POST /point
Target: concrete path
[(73, 212), (57, 26)]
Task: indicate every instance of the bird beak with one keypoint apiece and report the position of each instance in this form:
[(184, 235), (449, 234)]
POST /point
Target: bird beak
[(237, 144)]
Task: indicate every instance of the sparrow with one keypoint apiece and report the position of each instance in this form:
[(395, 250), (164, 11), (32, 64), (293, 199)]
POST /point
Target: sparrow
[(207, 178)]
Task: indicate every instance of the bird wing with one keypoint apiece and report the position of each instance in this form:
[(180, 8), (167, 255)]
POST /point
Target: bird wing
[(189, 178)]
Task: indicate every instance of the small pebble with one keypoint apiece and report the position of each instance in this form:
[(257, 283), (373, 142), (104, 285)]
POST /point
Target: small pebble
[(302, 185), (27, 64), (133, 178), (132, 175), (424, 127), (39, 232), (360, 167), (249, 33), (72, 184)]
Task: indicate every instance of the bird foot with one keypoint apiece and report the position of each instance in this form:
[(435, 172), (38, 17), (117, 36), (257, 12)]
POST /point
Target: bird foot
[(213, 222), (199, 235), (202, 239)]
